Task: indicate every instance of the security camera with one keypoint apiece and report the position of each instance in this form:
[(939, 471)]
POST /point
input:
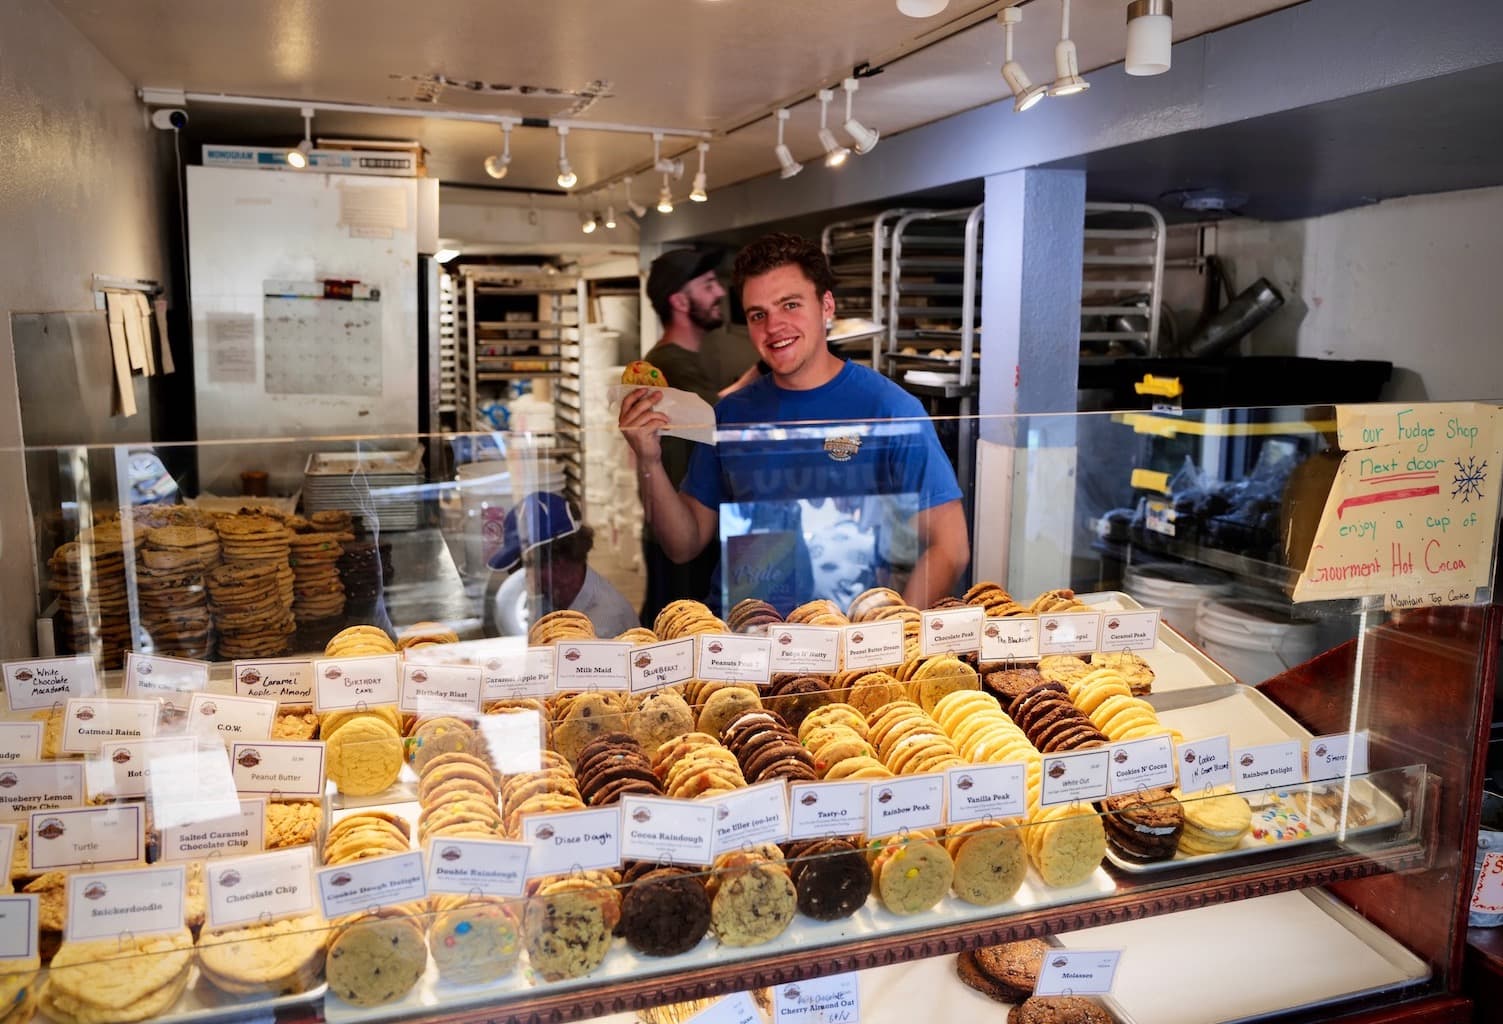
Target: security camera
[(170, 118)]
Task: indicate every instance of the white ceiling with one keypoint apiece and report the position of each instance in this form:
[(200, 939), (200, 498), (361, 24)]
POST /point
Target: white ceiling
[(705, 65)]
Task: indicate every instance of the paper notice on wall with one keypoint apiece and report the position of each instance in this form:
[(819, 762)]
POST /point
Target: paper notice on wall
[(159, 308), (140, 314), (1413, 512), (125, 389), (232, 347), (372, 211)]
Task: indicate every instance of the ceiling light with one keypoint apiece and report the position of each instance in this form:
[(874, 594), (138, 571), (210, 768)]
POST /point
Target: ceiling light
[(698, 193), (638, 210), (1067, 80), (566, 176), (589, 223), (445, 255), (865, 137), (1150, 36), (673, 167), (835, 153), (665, 197), (298, 157), (789, 166), (922, 8), (1024, 93), (497, 166), (610, 216)]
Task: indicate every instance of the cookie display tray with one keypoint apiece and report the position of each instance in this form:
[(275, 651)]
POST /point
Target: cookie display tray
[(1251, 719), (622, 963), (1176, 662), (1292, 951)]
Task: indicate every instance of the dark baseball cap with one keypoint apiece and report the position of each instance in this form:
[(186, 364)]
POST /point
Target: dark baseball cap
[(672, 270)]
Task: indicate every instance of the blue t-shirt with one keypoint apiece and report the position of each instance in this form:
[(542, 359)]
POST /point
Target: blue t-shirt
[(811, 486)]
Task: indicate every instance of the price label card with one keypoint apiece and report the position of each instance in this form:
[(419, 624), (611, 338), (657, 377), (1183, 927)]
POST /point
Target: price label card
[(1141, 764), (1078, 972), (1074, 778), (801, 649), (123, 770), (515, 739), (1010, 639), (1331, 756), (86, 835), (486, 867), (108, 904), (441, 689), (1487, 897), (733, 658), (820, 809), (278, 768), (1130, 631), (733, 1009), (39, 787), (18, 927), (586, 840), (265, 887), (217, 716), (986, 792), (951, 631), (241, 833), (44, 682), (591, 665), (1270, 766), (873, 645), (905, 804), (517, 672), (152, 675), (1205, 763), (20, 742), (1069, 633), (286, 682), (89, 721), (674, 831), (341, 683), (370, 883), (834, 999), (757, 814), (198, 787), (654, 666)]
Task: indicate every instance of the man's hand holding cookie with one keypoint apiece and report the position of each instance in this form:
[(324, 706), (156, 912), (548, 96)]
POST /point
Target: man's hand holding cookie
[(639, 420)]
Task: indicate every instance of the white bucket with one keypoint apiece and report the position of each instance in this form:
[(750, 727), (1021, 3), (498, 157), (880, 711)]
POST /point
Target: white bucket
[(1176, 589), (1254, 638), (485, 495)]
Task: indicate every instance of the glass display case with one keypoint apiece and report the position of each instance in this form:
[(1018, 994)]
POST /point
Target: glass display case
[(348, 752)]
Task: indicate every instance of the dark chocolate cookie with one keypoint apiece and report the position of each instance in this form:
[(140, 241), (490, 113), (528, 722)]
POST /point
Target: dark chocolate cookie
[(665, 913)]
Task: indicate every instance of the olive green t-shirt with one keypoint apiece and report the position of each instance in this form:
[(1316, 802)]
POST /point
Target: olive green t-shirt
[(686, 371)]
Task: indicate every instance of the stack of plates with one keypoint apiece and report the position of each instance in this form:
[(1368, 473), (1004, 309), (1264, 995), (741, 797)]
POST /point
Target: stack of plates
[(385, 488)]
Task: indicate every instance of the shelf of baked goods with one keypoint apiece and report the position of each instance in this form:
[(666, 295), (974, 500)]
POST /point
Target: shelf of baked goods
[(494, 832)]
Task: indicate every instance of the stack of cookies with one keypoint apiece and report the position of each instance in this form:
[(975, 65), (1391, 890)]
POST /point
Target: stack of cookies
[(820, 612), (292, 823), (666, 910), (426, 634), (442, 734), (19, 989), (1007, 973), (767, 749), (104, 979), (865, 606), (249, 613), (614, 766), (869, 692), (836, 735), (317, 590), (264, 959), (910, 872), (174, 602), (559, 626), (1215, 821), (990, 861), (752, 615), (794, 696), (363, 750), (657, 717), (1145, 826), (374, 958), (927, 680), (682, 618), (364, 569), (569, 924), (909, 741), (474, 939), (719, 702), (694, 765), (359, 642), (580, 718), (997, 601), (88, 576), (752, 897), (459, 797), (550, 788), (831, 877)]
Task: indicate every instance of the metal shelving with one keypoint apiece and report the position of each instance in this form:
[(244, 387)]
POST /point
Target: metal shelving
[(1122, 276)]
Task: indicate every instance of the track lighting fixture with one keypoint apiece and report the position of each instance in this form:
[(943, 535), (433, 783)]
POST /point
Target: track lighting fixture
[(789, 166), (1024, 93), (697, 193), (638, 210), (1150, 36), (835, 153), (610, 210), (497, 166), (298, 157), (665, 196), (1067, 80), (865, 137), (566, 176), (667, 167), (922, 8), (589, 223)]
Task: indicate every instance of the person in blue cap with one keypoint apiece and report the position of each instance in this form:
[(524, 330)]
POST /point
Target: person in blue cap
[(544, 537)]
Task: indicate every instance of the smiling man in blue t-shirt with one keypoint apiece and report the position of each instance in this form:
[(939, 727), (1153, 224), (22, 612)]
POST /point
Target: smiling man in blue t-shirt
[(813, 433)]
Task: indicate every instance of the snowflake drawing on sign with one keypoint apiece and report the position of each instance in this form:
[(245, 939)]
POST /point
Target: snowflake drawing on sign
[(1469, 478)]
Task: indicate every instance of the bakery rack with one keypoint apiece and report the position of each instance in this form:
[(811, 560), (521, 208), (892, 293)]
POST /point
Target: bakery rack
[(1122, 279)]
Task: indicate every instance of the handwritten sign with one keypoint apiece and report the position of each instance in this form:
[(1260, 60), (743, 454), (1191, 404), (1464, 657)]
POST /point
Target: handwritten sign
[(1412, 513)]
